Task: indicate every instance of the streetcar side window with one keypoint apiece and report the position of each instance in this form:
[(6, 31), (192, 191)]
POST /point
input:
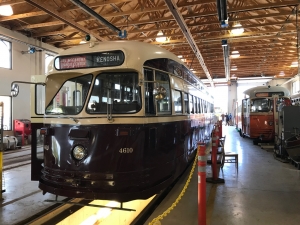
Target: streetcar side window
[(198, 105), (186, 103), (177, 101), (191, 105), (163, 105)]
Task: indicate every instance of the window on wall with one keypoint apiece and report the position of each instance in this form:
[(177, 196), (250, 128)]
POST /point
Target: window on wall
[(6, 100), (5, 56), (48, 59), (295, 87)]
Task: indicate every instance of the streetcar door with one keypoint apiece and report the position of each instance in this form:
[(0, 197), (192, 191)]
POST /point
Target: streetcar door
[(244, 116), (37, 114)]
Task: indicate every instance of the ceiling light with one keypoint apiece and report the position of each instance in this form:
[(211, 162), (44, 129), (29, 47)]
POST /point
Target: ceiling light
[(281, 73), (233, 67), (160, 37), (237, 29), (6, 10), (83, 41), (180, 56), (235, 54), (294, 64)]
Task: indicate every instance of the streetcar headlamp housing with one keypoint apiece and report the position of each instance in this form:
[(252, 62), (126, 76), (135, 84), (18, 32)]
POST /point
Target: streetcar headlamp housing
[(79, 152)]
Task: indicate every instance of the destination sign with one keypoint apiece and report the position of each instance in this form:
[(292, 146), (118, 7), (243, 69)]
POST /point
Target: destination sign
[(89, 60), (268, 94)]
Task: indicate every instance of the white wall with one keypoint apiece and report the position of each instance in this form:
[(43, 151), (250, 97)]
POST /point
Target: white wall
[(23, 66), (232, 97)]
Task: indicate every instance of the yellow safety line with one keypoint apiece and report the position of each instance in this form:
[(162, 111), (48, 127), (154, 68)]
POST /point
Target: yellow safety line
[(156, 220)]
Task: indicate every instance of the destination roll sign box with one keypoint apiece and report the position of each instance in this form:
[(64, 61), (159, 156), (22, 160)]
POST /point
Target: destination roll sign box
[(89, 60)]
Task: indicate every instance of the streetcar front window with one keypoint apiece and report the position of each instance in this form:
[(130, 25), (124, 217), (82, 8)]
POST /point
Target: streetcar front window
[(71, 97), (261, 105), (119, 90)]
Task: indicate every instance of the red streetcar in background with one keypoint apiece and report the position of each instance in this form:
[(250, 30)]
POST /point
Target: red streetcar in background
[(255, 113)]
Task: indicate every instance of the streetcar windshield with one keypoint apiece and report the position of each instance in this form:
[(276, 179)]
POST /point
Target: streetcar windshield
[(71, 97), (118, 89), (261, 105)]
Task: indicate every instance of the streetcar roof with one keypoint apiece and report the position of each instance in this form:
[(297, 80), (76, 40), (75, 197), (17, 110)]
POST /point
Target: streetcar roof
[(251, 92), (136, 53)]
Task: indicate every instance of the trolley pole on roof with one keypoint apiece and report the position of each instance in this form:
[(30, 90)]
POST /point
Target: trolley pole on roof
[(1, 149)]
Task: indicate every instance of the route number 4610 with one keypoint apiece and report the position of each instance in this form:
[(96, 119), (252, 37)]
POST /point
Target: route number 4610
[(126, 150)]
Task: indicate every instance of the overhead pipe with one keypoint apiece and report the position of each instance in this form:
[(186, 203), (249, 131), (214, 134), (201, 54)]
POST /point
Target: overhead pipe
[(225, 48), (222, 12), (186, 32), (91, 12)]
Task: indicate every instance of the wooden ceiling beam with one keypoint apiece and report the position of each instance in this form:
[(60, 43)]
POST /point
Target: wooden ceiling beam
[(60, 16), (22, 16), (242, 9), (11, 2)]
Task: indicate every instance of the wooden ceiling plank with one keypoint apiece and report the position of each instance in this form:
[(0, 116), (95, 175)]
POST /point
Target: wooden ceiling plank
[(53, 12), (93, 5), (32, 26), (23, 15), (11, 2)]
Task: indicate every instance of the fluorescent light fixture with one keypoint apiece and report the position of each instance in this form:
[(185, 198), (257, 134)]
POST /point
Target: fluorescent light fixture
[(254, 80), (237, 29), (235, 54), (233, 69), (6, 10), (180, 56), (160, 37)]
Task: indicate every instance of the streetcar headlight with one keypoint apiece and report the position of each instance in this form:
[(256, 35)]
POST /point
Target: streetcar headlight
[(78, 152)]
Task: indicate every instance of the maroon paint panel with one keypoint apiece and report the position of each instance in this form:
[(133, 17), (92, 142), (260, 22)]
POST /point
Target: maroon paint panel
[(123, 162)]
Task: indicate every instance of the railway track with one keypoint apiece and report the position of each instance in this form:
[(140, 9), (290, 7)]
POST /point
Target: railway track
[(58, 212), (18, 157)]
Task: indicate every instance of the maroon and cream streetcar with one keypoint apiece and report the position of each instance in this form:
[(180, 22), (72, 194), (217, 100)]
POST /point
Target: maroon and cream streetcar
[(119, 120)]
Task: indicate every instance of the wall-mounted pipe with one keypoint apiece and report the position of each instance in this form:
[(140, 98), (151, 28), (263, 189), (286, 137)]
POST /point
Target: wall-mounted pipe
[(8, 38)]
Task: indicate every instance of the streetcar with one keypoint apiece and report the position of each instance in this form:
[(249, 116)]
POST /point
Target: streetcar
[(256, 114), (119, 120)]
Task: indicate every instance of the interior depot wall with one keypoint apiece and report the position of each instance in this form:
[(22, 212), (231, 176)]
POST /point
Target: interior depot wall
[(23, 66)]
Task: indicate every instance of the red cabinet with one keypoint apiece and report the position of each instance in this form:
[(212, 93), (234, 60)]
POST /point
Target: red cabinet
[(22, 127)]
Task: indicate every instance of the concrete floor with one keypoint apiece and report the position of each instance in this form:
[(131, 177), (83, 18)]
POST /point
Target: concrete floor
[(263, 191), (22, 197)]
